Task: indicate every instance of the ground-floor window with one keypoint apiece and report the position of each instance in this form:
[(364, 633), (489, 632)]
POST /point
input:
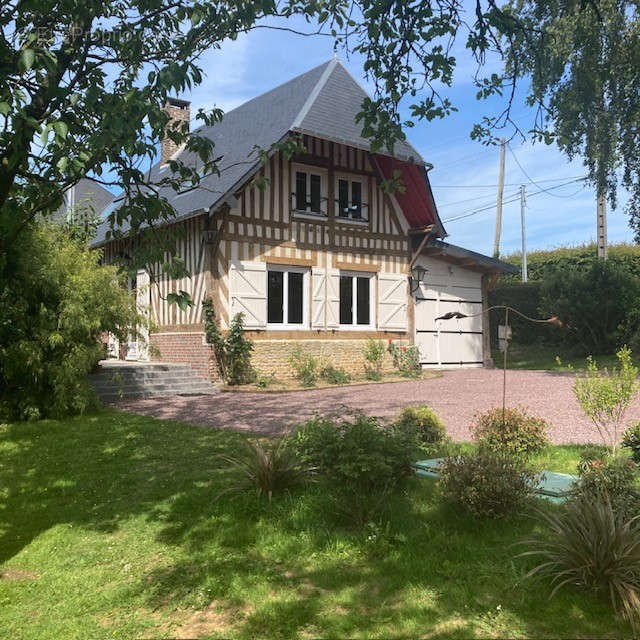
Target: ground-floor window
[(286, 297), (355, 299)]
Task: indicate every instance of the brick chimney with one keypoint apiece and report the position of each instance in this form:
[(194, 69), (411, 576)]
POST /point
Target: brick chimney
[(178, 111)]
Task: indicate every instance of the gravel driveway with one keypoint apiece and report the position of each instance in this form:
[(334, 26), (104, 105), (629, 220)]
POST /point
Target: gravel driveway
[(456, 396)]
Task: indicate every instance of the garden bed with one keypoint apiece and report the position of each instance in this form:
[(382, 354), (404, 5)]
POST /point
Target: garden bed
[(293, 385)]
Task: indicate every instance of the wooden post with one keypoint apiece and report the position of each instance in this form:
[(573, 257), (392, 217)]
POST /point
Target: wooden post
[(496, 241), (487, 360)]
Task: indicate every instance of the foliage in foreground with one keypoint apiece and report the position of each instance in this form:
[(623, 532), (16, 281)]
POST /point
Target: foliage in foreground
[(589, 544), (266, 470), (514, 431), (56, 304), (606, 395), (488, 484)]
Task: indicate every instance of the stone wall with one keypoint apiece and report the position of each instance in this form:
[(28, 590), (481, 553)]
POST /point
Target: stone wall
[(272, 356)]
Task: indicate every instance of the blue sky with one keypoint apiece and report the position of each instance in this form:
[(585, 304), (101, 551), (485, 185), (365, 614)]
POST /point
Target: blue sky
[(465, 172)]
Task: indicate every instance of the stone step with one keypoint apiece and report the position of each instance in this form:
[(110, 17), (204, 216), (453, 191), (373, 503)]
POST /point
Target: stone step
[(107, 383), (117, 381)]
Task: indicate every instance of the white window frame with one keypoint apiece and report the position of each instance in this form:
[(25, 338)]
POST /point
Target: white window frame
[(285, 325), (324, 180), (354, 275), (364, 189)]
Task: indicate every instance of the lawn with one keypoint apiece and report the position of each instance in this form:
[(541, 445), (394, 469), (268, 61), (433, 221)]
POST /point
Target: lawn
[(544, 357), (110, 528)]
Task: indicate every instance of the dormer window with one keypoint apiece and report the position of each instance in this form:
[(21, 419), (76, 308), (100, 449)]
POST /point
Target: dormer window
[(350, 205), (309, 190)]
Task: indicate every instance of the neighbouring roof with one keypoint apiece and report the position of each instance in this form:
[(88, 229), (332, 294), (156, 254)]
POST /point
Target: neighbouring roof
[(322, 102), (85, 194), (439, 248)]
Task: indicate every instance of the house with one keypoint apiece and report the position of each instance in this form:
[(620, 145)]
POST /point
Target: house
[(322, 256), (85, 196)]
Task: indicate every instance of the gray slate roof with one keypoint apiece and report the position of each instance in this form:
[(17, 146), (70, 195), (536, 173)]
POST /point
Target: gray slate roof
[(322, 102), (86, 194)]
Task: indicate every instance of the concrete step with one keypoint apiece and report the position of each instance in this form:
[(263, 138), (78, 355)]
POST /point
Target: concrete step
[(103, 383)]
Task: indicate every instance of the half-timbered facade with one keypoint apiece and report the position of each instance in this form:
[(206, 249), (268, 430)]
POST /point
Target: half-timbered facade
[(311, 249)]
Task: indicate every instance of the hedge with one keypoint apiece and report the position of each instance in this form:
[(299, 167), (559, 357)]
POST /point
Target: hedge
[(627, 255), (525, 297)]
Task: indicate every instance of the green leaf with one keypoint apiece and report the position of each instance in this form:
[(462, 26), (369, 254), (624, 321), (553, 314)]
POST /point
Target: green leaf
[(5, 107), (26, 60), (61, 128)]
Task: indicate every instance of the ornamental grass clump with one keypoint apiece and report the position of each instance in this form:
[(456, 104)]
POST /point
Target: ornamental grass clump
[(486, 483), (266, 470), (589, 544), (511, 430)]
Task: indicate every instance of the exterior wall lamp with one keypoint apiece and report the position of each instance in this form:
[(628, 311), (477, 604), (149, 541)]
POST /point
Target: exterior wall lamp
[(417, 278)]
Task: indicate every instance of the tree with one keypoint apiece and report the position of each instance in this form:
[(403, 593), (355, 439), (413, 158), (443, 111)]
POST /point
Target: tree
[(54, 310), (582, 58)]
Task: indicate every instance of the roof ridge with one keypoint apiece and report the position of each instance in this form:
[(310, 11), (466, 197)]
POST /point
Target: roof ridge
[(331, 65)]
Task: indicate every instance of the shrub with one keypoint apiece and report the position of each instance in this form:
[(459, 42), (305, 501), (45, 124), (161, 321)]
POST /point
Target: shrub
[(613, 475), (374, 351), (486, 483), (518, 434), (232, 351), (631, 440), (606, 395), (266, 471), (305, 366), (362, 460), (334, 375), (406, 359), (428, 426), (57, 301), (588, 544)]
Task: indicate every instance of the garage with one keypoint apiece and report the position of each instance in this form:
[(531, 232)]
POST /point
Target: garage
[(449, 343), (452, 281)]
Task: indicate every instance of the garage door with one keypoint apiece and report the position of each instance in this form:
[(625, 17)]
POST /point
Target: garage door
[(456, 342)]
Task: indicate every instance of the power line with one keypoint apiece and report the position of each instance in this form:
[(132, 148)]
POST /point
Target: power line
[(509, 199), (533, 182), (507, 184)]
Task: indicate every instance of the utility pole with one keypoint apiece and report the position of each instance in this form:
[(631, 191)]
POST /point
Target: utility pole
[(603, 248), (496, 241), (523, 202)]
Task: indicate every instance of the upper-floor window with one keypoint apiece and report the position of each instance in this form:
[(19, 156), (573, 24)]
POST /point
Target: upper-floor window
[(309, 190), (350, 204)]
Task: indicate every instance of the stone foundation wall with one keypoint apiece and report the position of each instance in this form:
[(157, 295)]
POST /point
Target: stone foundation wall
[(272, 356), (269, 356)]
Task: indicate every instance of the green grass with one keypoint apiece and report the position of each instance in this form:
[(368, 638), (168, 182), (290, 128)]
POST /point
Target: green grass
[(109, 529), (543, 357)]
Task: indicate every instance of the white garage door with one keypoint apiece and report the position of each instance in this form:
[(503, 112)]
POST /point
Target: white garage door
[(456, 342)]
